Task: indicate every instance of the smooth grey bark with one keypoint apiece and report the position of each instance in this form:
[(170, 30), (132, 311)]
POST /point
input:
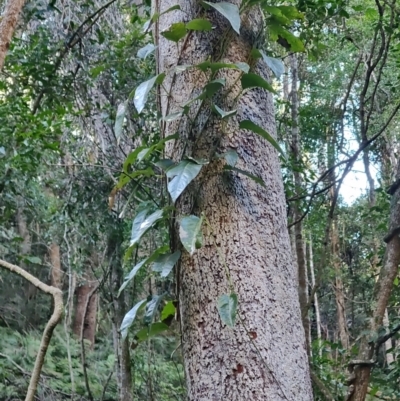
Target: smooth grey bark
[(264, 359), (316, 301), (297, 215)]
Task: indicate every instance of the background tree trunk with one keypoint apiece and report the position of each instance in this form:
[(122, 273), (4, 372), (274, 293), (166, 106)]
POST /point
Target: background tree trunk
[(265, 357)]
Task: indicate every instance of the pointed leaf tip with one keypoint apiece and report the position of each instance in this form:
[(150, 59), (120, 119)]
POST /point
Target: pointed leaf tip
[(229, 11)]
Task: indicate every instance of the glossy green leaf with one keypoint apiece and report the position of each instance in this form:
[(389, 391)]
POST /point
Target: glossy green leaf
[(243, 67), (212, 87), (229, 11), (176, 32), (33, 259), (168, 310), (131, 275), (247, 124), (145, 51), (119, 120), (139, 265), (142, 93), (182, 174), (125, 178), (190, 233), (152, 308), (227, 308), (142, 223), (277, 32), (258, 180), (224, 114), (151, 331), (231, 157), (165, 164), (199, 25), (291, 12), (130, 317), (275, 64), (251, 80), (165, 263), (173, 116)]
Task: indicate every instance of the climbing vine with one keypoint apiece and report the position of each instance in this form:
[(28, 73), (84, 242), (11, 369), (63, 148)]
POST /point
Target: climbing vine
[(148, 162)]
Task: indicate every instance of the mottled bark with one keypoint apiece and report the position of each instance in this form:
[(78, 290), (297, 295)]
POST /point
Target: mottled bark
[(383, 289), (86, 309), (7, 26), (248, 226)]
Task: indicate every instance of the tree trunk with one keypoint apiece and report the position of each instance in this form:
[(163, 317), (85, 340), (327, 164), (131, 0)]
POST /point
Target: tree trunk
[(86, 310), (339, 289), (264, 356), (121, 347), (56, 271), (383, 289), (316, 302), (8, 24), (297, 215)]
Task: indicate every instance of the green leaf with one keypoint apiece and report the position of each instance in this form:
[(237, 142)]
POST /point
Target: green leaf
[(278, 16), (255, 81), (229, 11), (131, 275), (142, 223), (231, 157), (165, 164), (160, 78), (224, 114), (165, 263), (212, 87), (258, 180), (396, 281), (119, 120), (291, 12), (243, 67), (182, 68), (168, 310), (137, 267), (190, 233), (127, 177), (247, 124), (182, 174), (227, 308), (199, 25), (146, 51), (173, 116), (172, 8), (142, 93), (151, 331), (33, 259), (130, 317), (276, 31), (152, 307), (175, 32), (276, 65)]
